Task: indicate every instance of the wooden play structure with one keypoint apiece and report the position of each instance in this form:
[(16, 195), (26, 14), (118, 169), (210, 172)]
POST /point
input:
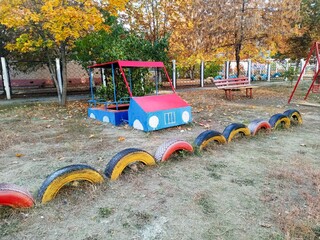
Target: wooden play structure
[(315, 84), (147, 113)]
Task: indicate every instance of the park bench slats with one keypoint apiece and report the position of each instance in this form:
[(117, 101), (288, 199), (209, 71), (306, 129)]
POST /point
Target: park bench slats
[(231, 84)]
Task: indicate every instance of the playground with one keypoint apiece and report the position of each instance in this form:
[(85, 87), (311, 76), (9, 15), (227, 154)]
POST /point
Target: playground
[(258, 187)]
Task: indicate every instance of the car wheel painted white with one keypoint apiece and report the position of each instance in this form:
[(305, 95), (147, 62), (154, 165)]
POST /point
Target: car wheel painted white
[(106, 119), (185, 116), (154, 122), (137, 125)]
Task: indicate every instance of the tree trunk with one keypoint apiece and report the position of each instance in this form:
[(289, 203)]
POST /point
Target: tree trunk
[(239, 38), (237, 55)]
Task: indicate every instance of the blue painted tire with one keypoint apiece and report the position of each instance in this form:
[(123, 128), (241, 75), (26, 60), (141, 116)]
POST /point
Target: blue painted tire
[(294, 116), (234, 129), (126, 157), (279, 120), (77, 172), (207, 137)]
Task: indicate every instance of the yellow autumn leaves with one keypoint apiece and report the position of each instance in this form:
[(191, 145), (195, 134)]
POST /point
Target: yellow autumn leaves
[(49, 23)]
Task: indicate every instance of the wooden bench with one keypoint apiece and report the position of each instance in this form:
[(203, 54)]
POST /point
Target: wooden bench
[(231, 84)]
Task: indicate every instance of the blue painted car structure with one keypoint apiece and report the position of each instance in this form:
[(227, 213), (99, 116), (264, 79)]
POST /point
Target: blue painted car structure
[(147, 113)]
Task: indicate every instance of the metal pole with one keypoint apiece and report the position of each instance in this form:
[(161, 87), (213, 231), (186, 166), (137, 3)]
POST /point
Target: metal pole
[(249, 70), (226, 74), (269, 72), (114, 84), (103, 77), (5, 75), (174, 74), (304, 67), (91, 85), (287, 67), (202, 74)]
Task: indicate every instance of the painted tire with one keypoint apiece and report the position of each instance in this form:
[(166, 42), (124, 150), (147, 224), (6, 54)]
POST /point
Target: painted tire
[(63, 176), (166, 149), (208, 136), (294, 116), (233, 129), (256, 125), (124, 158), (14, 196), (279, 120)]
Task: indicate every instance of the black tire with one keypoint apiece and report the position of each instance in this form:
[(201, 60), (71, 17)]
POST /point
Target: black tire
[(294, 116), (208, 136), (124, 158), (65, 175), (235, 128), (279, 120)]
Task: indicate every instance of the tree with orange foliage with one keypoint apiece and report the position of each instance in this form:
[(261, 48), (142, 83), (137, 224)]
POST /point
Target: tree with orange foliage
[(52, 26)]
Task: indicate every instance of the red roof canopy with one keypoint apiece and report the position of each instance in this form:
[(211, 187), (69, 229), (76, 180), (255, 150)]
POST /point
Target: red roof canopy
[(123, 63)]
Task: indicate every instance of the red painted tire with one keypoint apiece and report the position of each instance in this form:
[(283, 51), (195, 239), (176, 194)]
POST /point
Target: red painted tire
[(279, 120), (256, 125), (14, 196), (166, 149), (294, 116)]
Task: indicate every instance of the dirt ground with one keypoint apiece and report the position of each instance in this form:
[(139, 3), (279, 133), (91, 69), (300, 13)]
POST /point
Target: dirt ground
[(262, 187)]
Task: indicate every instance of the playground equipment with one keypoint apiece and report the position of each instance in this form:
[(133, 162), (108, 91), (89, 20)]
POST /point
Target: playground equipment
[(207, 137), (147, 113), (279, 120), (165, 150), (17, 197), (126, 157), (78, 172), (233, 129), (315, 84), (257, 125)]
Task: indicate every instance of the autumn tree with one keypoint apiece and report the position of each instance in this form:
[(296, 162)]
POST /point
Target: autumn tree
[(52, 26), (159, 19), (224, 24), (298, 45)]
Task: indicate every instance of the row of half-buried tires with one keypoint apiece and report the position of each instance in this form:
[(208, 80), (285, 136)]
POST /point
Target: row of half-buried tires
[(14, 196)]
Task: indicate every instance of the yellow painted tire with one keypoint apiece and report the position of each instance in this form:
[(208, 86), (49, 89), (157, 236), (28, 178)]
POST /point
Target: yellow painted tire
[(279, 120), (294, 116), (234, 129), (63, 176), (124, 158), (209, 136)]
